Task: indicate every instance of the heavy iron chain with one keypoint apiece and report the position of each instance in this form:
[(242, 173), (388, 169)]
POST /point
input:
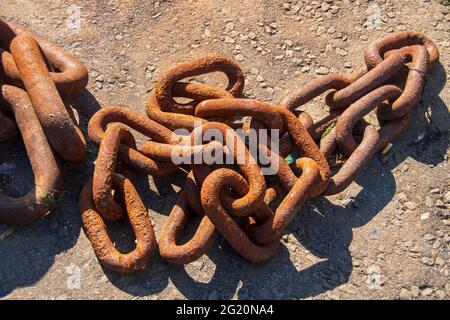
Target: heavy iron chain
[(249, 210), (32, 100)]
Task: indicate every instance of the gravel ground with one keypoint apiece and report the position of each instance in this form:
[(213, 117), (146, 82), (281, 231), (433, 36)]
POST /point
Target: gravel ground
[(385, 237)]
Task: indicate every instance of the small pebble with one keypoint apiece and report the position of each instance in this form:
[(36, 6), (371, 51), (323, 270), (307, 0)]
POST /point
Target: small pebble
[(425, 216), (322, 71)]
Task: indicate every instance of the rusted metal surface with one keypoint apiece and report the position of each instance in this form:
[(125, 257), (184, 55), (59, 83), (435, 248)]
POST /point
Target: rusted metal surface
[(412, 90), (208, 64), (305, 144), (356, 162), (96, 201), (188, 203), (70, 77), (225, 108), (254, 196), (132, 157), (104, 171), (397, 66), (32, 70), (196, 92), (250, 210), (165, 152), (225, 224), (64, 136), (318, 86), (370, 81), (47, 175), (376, 50), (272, 229), (359, 109), (97, 234)]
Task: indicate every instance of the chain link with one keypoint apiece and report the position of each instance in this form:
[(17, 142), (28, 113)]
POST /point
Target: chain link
[(249, 209), (32, 103)]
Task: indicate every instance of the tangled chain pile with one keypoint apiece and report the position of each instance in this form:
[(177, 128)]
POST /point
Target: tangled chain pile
[(249, 207), (36, 78), (250, 210)]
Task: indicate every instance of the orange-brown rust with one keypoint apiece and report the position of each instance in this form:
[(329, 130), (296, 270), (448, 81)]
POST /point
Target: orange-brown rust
[(307, 147), (356, 162), (70, 77), (175, 224), (167, 152), (346, 122), (272, 229), (375, 53), (412, 90), (208, 64), (47, 176), (390, 130), (97, 234), (134, 158), (105, 166), (64, 136), (315, 130), (224, 223), (234, 199), (368, 82), (261, 111), (314, 89), (195, 91), (247, 165)]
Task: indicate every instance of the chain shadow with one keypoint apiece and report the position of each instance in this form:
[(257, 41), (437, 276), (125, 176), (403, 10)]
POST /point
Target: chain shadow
[(29, 252), (428, 135), (25, 258), (285, 276), (328, 235), (158, 195), (234, 277), (86, 103)]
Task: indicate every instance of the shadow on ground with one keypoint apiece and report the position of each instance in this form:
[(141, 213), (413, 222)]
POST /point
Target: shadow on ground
[(29, 253)]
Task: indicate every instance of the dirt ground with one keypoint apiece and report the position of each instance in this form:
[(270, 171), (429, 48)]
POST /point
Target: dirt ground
[(386, 237)]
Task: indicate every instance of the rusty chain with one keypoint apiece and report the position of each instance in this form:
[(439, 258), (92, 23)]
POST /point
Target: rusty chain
[(31, 103), (249, 209), (97, 203)]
